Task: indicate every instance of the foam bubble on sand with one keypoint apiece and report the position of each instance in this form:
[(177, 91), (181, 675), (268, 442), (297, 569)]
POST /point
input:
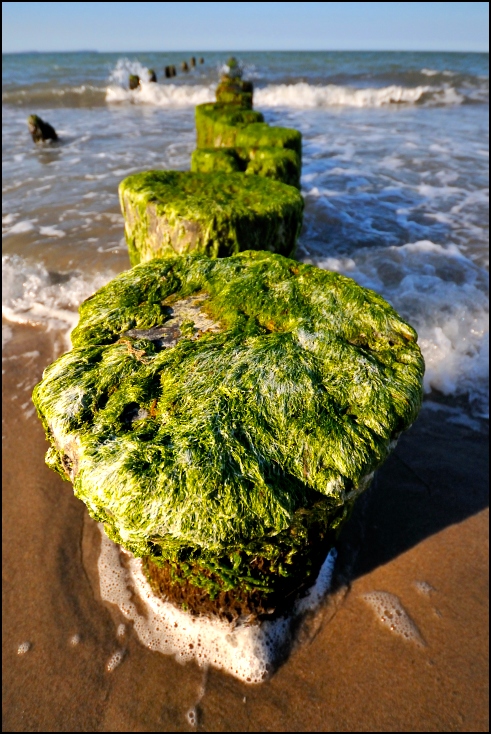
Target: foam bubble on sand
[(305, 95), (115, 660), (392, 614), (444, 295), (33, 295), (424, 587), (247, 652)]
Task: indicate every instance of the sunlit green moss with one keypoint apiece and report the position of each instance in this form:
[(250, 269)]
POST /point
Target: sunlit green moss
[(217, 124), (218, 214), (212, 411), (280, 164)]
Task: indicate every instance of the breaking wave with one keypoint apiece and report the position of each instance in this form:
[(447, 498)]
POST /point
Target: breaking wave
[(31, 294)]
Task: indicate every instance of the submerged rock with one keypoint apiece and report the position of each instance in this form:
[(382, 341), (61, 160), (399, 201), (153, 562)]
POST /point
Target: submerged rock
[(220, 417), (219, 214), (201, 60), (134, 81), (40, 130), (152, 76)]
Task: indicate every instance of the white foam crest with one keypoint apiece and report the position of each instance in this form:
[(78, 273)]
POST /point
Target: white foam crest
[(152, 93), (247, 652), (33, 295), (444, 295), (305, 95), (162, 95)]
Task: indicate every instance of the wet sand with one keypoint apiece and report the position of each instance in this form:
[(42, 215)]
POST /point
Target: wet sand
[(424, 519)]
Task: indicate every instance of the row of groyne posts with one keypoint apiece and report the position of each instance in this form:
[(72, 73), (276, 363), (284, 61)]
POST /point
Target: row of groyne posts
[(134, 80), (242, 192)]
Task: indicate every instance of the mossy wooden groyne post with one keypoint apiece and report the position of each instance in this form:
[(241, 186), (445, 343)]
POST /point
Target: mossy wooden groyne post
[(253, 146), (220, 418), (218, 214), (215, 208)]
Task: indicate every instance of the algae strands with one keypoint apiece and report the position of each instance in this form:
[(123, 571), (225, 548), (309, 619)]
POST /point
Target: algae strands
[(218, 214), (220, 417)]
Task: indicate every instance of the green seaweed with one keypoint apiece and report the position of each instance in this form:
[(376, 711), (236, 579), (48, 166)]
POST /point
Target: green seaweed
[(261, 135), (213, 160), (213, 412), (218, 214), (234, 92), (217, 124), (279, 164)]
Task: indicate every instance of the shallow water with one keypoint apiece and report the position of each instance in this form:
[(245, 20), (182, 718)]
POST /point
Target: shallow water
[(394, 178)]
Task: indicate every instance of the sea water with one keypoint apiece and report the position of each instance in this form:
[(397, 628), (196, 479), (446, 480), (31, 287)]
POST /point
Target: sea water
[(395, 156)]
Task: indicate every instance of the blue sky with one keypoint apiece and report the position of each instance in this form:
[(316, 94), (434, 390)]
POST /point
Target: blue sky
[(201, 26)]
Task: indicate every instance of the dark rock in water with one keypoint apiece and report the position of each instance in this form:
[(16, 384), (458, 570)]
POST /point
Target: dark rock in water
[(173, 70), (184, 66), (134, 81), (201, 60), (152, 76), (40, 130), (168, 72), (193, 61)]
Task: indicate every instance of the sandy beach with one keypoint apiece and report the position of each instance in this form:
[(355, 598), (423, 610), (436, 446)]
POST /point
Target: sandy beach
[(420, 533)]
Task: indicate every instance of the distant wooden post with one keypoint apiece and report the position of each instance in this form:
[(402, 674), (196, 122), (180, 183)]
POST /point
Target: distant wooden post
[(184, 66)]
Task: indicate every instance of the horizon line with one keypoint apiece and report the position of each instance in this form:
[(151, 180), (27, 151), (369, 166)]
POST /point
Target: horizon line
[(286, 50)]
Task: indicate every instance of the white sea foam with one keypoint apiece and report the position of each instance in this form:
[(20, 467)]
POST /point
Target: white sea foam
[(33, 295), (247, 652), (332, 95), (152, 93), (392, 614), (444, 295), (298, 95), (160, 95)]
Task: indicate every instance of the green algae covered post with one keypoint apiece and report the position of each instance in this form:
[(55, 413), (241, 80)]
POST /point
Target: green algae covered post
[(210, 160), (220, 418), (218, 214), (217, 124), (280, 164), (262, 135)]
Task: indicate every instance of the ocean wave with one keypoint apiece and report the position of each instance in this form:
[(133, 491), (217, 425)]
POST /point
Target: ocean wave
[(444, 295), (300, 95), (161, 95), (332, 95), (33, 295)]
